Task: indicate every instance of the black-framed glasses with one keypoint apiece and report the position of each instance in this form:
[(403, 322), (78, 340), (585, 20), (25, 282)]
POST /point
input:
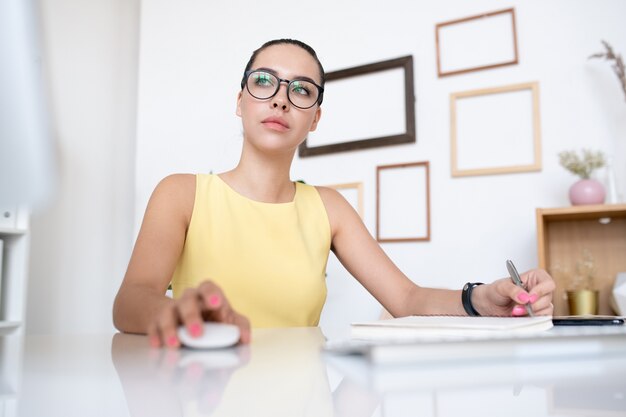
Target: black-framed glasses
[(264, 85)]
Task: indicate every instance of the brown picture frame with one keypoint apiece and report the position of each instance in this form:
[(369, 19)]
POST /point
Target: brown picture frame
[(472, 29), (381, 235), (360, 74)]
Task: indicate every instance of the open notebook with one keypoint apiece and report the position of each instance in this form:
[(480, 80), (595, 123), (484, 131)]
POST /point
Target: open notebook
[(412, 327), (428, 339)]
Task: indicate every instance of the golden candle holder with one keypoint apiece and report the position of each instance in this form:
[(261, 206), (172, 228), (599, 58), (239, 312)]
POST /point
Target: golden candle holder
[(583, 302)]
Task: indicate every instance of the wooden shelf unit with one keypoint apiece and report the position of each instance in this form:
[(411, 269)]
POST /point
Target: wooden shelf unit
[(564, 233)]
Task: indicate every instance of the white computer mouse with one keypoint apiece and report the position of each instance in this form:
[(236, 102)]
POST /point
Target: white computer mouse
[(214, 336)]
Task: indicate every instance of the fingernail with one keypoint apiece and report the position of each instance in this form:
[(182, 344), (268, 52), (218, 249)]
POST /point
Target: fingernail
[(214, 300), (194, 329), (533, 298), (154, 341), (523, 297), (518, 311), (172, 341)]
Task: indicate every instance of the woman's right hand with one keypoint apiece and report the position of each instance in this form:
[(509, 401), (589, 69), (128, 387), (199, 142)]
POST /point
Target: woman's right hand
[(197, 305)]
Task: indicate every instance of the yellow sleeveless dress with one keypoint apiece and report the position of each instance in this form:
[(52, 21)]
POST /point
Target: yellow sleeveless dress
[(268, 259)]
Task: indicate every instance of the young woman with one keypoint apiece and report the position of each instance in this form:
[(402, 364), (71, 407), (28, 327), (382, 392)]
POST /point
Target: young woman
[(249, 246)]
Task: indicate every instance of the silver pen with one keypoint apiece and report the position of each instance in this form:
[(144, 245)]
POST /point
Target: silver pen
[(518, 281)]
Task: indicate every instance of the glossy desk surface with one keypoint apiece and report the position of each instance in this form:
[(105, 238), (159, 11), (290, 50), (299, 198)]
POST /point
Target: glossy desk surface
[(285, 373)]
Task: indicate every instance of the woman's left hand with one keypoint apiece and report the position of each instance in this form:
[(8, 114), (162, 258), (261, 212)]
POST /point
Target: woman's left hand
[(504, 298)]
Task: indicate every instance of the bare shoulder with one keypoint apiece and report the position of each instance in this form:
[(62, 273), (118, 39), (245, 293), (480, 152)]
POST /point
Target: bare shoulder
[(340, 211), (174, 194), (177, 183), (331, 197)]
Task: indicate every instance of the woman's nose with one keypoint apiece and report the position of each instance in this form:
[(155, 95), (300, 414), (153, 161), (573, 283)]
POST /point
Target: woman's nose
[(280, 99)]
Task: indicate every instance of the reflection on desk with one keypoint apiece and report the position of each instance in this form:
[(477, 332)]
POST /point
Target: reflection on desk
[(283, 373)]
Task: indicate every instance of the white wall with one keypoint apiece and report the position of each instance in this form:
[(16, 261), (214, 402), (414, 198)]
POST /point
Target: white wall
[(191, 58), (193, 53), (81, 243)]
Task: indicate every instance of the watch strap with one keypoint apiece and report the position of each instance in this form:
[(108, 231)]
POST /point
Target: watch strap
[(466, 298)]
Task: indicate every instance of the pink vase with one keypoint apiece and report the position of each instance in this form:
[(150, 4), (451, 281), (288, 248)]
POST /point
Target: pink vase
[(586, 192)]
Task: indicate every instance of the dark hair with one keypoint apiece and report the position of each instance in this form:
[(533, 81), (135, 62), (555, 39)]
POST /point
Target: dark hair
[(295, 42)]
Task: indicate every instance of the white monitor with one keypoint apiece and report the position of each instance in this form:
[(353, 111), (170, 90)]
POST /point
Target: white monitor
[(26, 151)]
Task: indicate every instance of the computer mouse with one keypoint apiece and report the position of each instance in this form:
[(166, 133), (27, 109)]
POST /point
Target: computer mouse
[(214, 336)]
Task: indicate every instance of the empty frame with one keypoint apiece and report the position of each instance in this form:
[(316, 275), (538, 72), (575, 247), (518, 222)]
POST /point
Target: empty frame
[(353, 193), (495, 130), (476, 43), (366, 106), (403, 202)]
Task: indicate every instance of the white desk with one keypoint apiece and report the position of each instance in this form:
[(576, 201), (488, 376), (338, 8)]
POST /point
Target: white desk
[(283, 373)]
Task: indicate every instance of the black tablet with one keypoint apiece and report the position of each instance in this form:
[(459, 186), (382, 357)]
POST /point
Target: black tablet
[(587, 321)]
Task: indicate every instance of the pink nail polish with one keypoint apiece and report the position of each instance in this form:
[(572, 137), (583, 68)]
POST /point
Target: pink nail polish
[(518, 311), (214, 300), (533, 298), (523, 297), (172, 341), (194, 329)]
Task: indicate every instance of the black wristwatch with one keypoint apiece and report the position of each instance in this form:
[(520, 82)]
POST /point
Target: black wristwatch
[(466, 298)]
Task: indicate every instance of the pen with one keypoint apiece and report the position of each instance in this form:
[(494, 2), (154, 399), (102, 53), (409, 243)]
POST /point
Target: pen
[(518, 281)]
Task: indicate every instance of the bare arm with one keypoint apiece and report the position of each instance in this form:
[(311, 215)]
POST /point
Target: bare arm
[(363, 257), (141, 296), (141, 305)]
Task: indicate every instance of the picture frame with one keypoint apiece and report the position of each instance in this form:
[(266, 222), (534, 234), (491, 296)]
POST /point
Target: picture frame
[(403, 192), (353, 193), (363, 93), (477, 146), (475, 43)]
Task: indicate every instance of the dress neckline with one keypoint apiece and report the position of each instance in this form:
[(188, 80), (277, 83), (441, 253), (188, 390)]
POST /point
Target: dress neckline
[(248, 199)]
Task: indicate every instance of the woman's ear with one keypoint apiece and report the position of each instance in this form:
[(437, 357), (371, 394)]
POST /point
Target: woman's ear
[(238, 110), (316, 119)]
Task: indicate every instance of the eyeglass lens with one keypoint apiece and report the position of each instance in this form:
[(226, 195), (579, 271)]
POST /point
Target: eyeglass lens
[(301, 93)]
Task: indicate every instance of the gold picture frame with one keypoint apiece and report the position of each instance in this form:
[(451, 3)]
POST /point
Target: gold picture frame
[(495, 130)]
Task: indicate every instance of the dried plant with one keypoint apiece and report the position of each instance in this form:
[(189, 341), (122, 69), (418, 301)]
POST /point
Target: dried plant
[(583, 165), (618, 66), (559, 273), (584, 277)]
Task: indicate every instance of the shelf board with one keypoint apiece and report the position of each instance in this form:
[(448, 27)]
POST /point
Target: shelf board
[(7, 393), (583, 212), (9, 326), (12, 231)]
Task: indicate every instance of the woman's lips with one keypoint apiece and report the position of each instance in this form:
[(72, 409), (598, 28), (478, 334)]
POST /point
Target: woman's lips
[(276, 123)]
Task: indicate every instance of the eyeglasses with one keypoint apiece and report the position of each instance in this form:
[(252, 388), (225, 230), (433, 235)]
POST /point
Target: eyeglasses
[(264, 85)]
